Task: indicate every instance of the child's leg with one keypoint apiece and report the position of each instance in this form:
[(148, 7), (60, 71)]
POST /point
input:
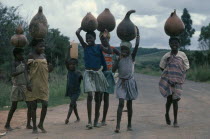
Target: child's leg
[(175, 106), (71, 108), (97, 108), (76, 112), (43, 114), (89, 109), (33, 115), (130, 113), (168, 105), (106, 107), (10, 114), (28, 126), (119, 114)]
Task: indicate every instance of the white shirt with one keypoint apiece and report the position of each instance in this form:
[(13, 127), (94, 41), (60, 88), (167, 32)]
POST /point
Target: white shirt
[(179, 54)]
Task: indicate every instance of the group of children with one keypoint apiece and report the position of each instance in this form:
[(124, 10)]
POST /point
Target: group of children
[(30, 79)]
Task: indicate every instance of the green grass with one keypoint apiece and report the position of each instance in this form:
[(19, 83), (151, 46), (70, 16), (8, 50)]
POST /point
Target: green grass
[(57, 86), (199, 73)]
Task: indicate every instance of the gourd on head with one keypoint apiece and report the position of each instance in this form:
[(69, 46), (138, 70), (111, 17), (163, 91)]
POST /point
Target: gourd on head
[(19, 39), (106, 20), (126, 30), (38, 26), (174, 25), (89, 23), (35, 42)]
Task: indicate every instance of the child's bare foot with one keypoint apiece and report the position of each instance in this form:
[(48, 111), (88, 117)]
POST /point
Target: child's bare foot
[(29, 127), (35, 131), (89, 126), (97, 125), (117, 130), (103, 123), (168, 121), (66, 121), (42, 129), (129, 128), (8, 128), (78, 120), (176, 125)]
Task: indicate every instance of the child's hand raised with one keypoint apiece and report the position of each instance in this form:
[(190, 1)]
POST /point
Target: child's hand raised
[(105, 33)]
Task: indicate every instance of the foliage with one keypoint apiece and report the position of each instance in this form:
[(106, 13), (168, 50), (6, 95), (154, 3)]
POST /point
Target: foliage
[(204, 38), (189, 31)]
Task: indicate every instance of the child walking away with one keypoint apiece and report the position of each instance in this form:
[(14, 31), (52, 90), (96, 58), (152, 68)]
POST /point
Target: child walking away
[(108, 74), (74, 79), (126, 88), (94, 79), (174, 65), (38, 73), (19, 88)]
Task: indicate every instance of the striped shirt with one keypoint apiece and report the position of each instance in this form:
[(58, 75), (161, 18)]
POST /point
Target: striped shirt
[(108, 59)]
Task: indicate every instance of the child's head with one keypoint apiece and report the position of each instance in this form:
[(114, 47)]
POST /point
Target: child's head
[(71, 64), (38, 45), (125, 48), (103, 39), (90, 38), (174, 43), (18, 54)]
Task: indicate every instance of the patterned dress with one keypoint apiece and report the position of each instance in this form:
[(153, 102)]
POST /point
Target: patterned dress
[(174, 74)]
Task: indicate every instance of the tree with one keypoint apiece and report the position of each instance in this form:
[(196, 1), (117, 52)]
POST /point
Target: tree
[(204, 38), (188, 32)]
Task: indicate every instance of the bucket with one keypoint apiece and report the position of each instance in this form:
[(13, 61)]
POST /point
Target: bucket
[(74, 50)]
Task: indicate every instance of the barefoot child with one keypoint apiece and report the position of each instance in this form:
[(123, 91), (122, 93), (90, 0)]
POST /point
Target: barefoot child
[(19, 88), (38, 73), (126, 88), (108, 74), (74, 79), (94, 80), (174, 65)]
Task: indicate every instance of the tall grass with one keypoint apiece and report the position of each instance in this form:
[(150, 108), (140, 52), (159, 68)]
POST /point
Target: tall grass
[(199, 73)]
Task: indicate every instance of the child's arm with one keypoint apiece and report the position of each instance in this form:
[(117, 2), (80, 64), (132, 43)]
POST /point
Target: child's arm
[(117, 52), (14, 72), (136, 45), (115, 66), (107, 49), (80, 37)]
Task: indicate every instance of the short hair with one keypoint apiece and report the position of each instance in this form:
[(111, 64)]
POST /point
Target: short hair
[(92, 33), (17, 51), (34, 42), (174, 38), (70, 60)]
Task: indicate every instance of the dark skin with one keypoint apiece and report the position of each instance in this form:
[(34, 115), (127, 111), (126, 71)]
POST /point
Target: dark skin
[(73, 105), (18, 60), (125, 51), (105, 96), (174, 44), (38, 53), (90, 42)]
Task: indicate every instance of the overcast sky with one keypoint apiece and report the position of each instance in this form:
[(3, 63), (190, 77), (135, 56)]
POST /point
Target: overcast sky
[(150, 16)]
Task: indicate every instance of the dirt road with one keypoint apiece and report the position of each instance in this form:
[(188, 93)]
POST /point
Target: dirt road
[(148, 117)]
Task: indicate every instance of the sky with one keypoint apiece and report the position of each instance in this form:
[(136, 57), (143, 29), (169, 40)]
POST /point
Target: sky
[(150, 16)]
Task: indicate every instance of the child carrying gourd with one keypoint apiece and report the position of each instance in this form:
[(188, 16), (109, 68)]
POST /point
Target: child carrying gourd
[(126, 88), (19, 89), (94, 79)]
